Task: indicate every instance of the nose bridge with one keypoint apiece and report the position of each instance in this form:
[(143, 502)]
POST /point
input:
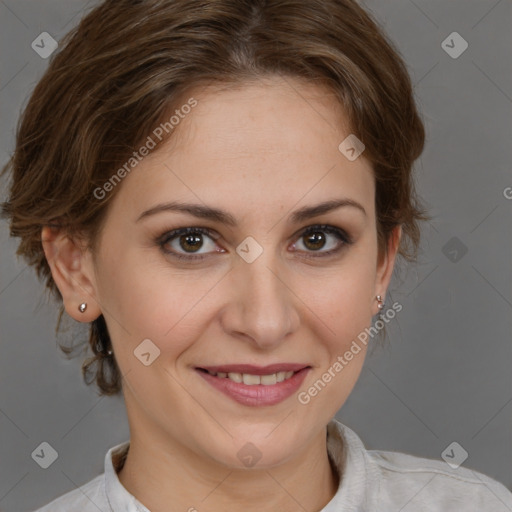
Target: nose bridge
[(265, 301)]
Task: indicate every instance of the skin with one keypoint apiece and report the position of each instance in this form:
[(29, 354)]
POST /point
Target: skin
[(259, 151)]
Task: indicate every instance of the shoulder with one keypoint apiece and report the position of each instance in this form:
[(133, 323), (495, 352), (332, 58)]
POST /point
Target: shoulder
[(417, 483), (385, 481), (90, 497), (96, 494)]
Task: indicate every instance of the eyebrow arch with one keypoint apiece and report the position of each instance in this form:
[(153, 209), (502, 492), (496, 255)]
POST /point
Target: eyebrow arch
[(223, 217), (308, 212)]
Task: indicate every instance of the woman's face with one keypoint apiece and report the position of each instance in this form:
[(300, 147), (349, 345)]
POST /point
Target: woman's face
[(255, 291)]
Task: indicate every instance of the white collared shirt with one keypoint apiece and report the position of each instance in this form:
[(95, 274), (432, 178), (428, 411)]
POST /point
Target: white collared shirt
[(372, 481)]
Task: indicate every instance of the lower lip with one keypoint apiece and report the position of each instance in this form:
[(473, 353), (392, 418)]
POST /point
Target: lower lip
[(258, 394)]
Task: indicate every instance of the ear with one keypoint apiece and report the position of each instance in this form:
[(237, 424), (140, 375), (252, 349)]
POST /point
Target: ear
[(386, 264), (73, 272)]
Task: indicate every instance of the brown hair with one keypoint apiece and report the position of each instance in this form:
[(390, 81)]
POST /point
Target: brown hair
[(120, 72)]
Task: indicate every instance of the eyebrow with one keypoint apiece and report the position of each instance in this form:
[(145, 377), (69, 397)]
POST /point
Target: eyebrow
[(223, 217)]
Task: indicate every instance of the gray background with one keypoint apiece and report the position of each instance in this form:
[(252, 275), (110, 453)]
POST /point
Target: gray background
[(446, 373)]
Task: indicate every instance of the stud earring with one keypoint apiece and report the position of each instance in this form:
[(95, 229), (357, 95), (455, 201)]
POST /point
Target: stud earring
[(82, 307), (380, 304)]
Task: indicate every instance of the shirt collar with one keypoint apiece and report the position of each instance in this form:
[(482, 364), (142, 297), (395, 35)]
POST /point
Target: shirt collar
[(346, 451), (118, 498), (358, 487)]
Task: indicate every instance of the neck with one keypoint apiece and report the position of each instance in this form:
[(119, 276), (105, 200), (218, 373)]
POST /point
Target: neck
[(160, 474)]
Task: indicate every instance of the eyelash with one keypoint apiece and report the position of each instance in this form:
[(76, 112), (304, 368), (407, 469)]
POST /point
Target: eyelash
[(168, 236)]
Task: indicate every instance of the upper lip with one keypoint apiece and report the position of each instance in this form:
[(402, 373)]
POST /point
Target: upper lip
[(255, 370)]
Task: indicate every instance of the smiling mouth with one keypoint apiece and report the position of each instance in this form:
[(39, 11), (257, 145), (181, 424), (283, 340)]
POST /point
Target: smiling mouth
[(256, 385), (250, 379)]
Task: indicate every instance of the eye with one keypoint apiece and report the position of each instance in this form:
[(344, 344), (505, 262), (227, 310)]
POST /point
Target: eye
[(190, 240), (322, 239)]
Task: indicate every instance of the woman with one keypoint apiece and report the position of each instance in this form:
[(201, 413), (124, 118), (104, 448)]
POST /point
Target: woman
[(221, 189)]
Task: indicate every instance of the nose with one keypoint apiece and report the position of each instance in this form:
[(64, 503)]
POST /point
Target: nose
[(262, 309)]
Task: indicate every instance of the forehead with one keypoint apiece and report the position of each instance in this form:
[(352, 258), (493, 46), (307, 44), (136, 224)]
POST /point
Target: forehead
[(267, 144)]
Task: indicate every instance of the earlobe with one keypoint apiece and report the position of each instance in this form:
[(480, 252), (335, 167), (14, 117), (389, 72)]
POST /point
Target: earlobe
[(72, 271)]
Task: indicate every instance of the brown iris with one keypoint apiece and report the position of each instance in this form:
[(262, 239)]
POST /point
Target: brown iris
[(315, 240), (192, 241)]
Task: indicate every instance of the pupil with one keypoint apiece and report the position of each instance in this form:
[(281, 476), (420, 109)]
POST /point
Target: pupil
[(317, 240), (193, 241)]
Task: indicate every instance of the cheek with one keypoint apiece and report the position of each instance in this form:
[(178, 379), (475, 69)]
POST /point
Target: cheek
[(342, 299), (144, 299), (343, 311)]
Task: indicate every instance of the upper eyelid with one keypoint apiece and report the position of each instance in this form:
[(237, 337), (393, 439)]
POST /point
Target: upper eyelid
[(172, 234)]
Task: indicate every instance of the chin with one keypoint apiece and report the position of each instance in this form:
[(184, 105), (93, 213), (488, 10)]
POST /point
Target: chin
[(256, 451)]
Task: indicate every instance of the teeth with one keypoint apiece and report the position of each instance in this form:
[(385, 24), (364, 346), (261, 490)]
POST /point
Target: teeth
[(252, 380), (237, 377), (268, 380)]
